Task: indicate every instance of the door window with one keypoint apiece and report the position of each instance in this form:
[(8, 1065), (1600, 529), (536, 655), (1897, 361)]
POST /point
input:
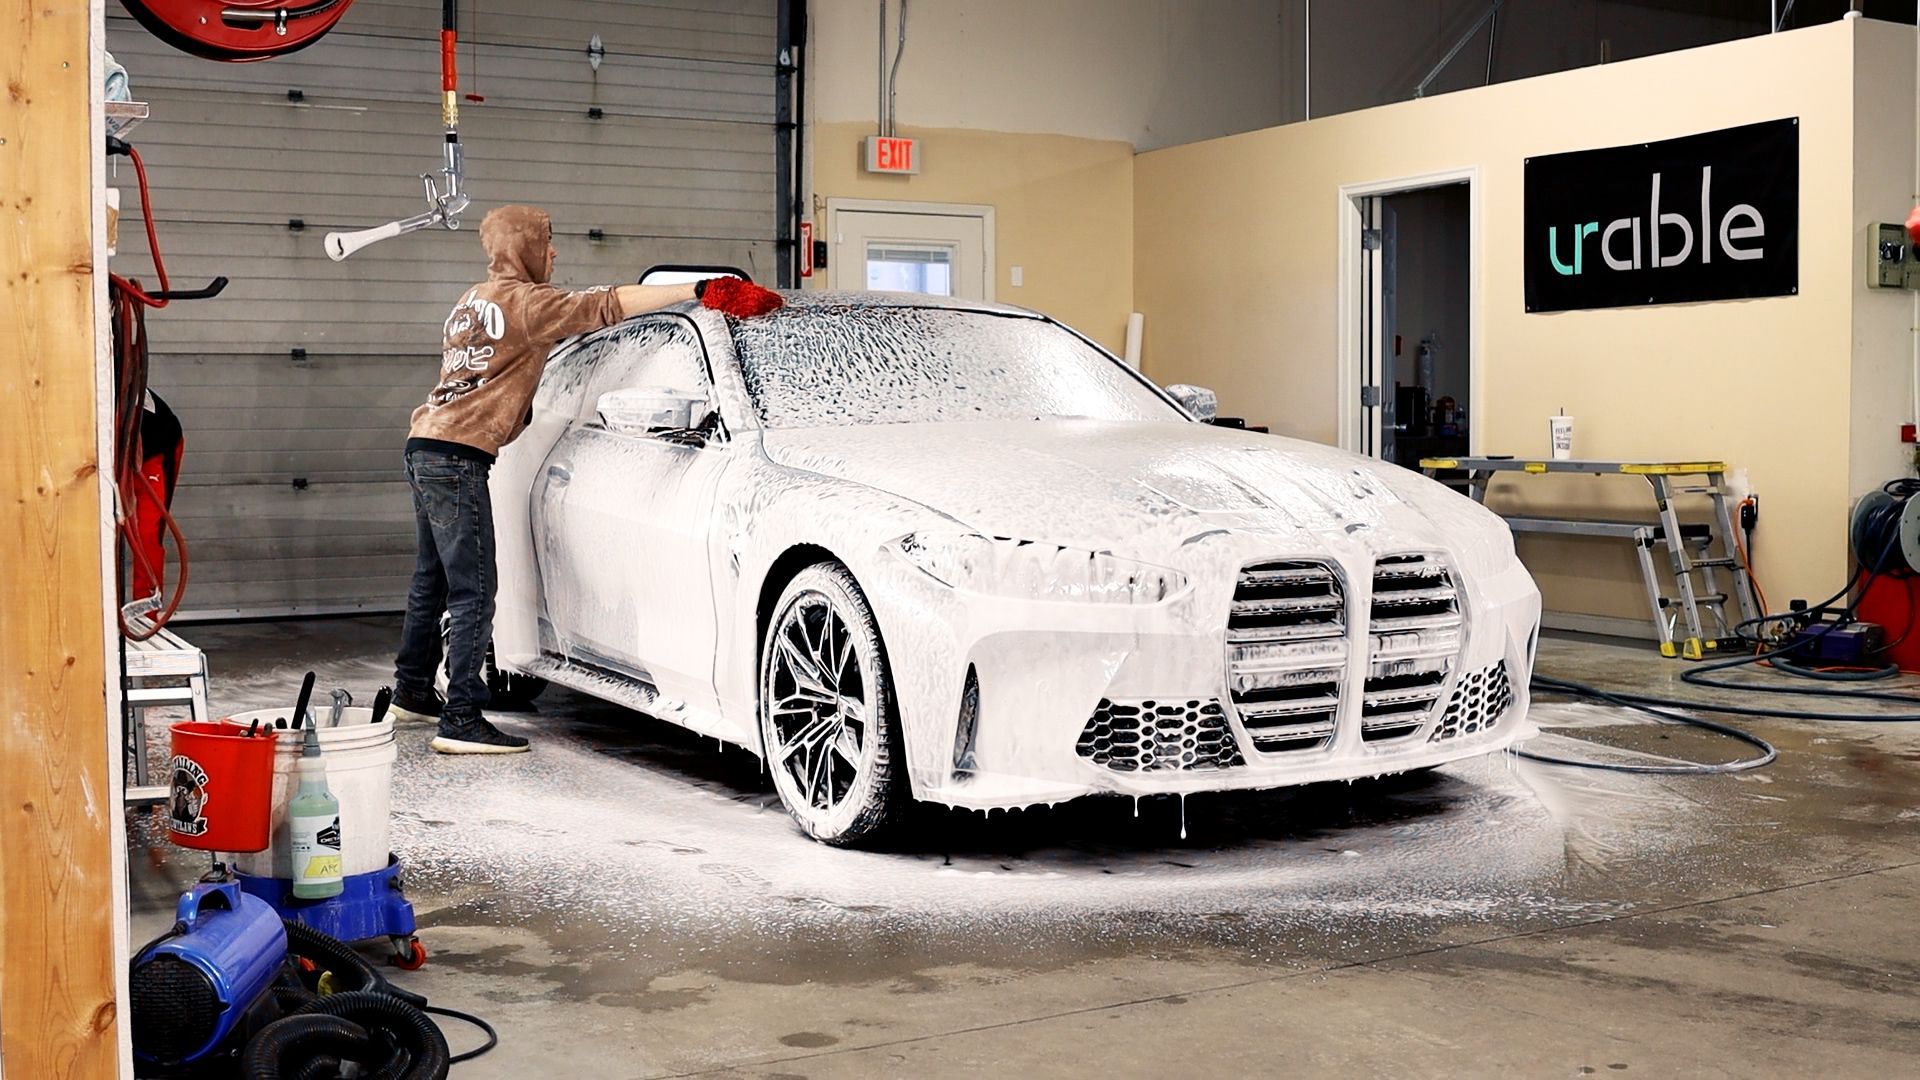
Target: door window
[(908, 250), (657, 352), (914, 268)]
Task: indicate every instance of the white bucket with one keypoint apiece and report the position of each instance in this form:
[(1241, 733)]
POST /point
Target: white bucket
[(359, 758)]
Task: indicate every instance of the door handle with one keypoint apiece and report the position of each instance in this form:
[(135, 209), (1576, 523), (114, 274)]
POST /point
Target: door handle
[(559, 474)]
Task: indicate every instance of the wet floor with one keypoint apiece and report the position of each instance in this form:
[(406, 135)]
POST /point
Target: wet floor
[(630, 900)]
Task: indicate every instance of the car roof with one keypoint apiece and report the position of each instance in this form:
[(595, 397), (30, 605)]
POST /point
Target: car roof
[(836, 300), (829, 300)]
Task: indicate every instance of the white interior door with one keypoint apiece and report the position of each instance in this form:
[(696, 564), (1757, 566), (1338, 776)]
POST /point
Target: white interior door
[(1377, 300), (945, 254)]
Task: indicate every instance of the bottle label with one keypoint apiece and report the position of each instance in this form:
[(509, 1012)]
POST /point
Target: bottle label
[(316, 849)]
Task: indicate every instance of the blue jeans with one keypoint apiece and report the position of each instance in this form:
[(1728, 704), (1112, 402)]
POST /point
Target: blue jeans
[(453, 572)]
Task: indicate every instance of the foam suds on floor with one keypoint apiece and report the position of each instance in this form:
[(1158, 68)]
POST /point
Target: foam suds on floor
[(635, 836)]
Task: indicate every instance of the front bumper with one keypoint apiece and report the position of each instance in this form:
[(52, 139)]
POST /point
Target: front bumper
[(1074, 699)]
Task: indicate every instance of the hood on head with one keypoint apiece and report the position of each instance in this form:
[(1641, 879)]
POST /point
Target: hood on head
[(515, 239)]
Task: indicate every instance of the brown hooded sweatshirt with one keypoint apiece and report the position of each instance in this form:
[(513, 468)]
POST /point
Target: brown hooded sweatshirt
[(498, 337)]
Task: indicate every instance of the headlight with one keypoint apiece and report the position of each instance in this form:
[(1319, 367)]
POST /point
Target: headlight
[(1486, 550), (1030, 570)]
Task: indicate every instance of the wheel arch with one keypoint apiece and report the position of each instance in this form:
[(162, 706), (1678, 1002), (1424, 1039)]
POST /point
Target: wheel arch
[(779, 575)]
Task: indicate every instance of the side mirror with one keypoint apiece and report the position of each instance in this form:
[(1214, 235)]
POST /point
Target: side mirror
[(1201, 403), (651, 410)]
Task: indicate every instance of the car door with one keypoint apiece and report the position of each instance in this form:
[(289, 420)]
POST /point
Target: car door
[(623, 522)]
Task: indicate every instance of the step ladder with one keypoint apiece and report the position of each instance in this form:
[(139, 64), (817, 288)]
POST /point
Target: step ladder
[(1689, 548), (1690, 554), (162, 672)]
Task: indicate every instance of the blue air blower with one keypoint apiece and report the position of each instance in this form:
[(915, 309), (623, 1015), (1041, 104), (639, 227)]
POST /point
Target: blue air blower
[(193, 987)]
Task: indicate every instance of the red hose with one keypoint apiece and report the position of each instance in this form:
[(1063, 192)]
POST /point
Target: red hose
[(153, 240), (128, 301)]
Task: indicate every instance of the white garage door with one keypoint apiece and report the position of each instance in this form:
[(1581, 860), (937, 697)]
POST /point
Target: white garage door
[(295, 386)]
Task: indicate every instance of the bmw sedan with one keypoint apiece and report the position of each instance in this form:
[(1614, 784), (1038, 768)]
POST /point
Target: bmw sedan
[(906, 548)]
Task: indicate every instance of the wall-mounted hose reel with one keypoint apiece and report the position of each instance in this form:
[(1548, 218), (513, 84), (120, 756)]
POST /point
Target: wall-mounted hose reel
[(238, 31), (1885, 530)]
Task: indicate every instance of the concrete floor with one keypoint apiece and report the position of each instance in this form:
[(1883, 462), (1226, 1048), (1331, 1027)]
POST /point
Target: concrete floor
[(630, 901)]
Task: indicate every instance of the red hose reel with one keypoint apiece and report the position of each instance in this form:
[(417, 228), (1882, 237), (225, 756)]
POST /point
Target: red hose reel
[(238, 31)]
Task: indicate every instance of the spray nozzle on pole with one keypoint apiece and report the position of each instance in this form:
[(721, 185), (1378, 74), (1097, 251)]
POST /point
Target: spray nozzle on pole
[(444, 203)]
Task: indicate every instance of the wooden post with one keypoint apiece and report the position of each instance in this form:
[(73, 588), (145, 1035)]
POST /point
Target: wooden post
[(62, 929)]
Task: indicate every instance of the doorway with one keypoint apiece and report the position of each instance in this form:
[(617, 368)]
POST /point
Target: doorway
[(939, 248), (1411, 285)]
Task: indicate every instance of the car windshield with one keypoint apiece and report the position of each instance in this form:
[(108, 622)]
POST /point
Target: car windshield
[(814, 365)]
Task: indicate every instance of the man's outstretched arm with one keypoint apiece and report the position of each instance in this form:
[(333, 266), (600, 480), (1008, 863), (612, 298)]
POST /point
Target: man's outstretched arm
[(728, 295), (640, 299)]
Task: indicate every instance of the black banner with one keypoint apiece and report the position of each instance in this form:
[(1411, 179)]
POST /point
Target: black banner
[(1705, 217)]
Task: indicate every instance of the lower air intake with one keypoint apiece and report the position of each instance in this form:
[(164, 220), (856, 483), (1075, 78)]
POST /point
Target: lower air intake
[(1478, 703), (1159, 736)]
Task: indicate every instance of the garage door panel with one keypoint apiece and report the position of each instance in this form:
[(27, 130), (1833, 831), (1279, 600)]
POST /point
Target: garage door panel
[(296, 385), (616, 196), (319, 373), (247, 133), (243, 570), (713, 29), (326, 419), (257, 513), (291, 596), (293, 548), (349, 67), (720, 31), (264, 549), (241, 400)]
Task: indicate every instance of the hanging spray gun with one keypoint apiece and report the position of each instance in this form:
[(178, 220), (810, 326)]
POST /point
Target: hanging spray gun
[(444, 204)]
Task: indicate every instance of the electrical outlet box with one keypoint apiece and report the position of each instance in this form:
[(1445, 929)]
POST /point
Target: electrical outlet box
[(1895, 265)]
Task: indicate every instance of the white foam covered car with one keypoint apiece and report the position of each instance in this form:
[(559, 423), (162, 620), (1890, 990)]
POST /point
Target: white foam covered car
[(907, 548)]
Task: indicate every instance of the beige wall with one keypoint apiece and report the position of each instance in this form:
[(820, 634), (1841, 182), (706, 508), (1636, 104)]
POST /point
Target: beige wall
[(1885, 168), (1036, 110), (1236, 253), (1146, 72), (1063, 212)]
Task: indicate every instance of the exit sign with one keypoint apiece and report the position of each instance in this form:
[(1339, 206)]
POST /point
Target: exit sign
[(889, 155)]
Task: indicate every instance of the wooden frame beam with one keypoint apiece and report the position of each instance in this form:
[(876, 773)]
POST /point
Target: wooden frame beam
[(62, 903)]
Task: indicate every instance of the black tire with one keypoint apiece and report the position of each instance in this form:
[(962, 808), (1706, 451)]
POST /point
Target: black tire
[(505, 689), (827, 715), (509, 690)]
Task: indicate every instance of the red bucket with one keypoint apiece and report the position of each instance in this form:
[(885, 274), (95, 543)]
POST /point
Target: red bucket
[(220, 794)]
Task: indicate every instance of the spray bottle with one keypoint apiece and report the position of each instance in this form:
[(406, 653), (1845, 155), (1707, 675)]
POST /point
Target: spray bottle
[(313, 819)]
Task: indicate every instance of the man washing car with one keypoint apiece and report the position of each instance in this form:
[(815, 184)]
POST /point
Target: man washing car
[(495, 346)]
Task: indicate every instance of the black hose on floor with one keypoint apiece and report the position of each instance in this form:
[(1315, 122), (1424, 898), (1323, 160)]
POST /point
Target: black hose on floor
[(1873, 532), (1661, 709), (493, 1037), (1698, 676)]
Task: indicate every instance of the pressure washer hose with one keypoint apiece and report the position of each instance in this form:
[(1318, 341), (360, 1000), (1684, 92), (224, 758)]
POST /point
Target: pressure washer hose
[(1652, 707)]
